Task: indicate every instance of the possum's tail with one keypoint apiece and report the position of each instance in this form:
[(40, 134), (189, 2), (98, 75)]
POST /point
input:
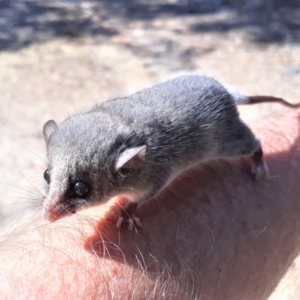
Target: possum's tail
[(242, 99)]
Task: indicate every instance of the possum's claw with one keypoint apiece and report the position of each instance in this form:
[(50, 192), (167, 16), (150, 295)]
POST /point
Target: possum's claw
[(127, 215), (131, 221)]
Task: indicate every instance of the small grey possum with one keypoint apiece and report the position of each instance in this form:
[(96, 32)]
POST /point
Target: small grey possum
[(133, 147)]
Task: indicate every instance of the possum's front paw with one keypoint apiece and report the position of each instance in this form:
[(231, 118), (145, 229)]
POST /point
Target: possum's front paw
[(131, 221), (127, 215), (260, 170)]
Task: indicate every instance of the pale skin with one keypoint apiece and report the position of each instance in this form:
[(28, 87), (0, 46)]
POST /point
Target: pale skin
[(216, 233)]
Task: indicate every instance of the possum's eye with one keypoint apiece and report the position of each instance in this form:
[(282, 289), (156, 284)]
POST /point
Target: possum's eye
[(47, 176), (81, 188)]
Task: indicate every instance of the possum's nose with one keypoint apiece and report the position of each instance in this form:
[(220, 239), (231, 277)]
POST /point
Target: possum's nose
[(49, 216), (55, 211)]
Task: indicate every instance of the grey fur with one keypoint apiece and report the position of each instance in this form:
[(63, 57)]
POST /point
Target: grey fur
[(182, 122)]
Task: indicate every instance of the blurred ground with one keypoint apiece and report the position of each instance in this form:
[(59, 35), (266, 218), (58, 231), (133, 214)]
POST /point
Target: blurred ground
[(60, 57)]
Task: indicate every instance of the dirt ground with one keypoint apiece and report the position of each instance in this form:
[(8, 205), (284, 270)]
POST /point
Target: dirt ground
[(60, 57)]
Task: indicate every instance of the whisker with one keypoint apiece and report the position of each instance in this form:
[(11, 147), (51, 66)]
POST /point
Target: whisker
[(19, 203), (34, 187), (38, 155), (25, 192)]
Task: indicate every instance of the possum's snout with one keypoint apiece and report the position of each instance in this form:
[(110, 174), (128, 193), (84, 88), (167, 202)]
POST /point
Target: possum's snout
[(56, 211)]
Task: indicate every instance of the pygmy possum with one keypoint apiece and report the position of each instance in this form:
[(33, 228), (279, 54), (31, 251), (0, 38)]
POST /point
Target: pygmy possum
[(133, 147)]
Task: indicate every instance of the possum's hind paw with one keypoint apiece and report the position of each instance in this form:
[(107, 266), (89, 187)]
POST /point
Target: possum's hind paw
[(260, 170), (259, 167)]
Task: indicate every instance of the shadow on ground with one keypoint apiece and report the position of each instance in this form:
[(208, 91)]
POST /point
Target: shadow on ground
[(24, 22)]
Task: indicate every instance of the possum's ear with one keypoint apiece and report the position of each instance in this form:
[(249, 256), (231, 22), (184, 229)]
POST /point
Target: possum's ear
[(48, 129), (132, 158)]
